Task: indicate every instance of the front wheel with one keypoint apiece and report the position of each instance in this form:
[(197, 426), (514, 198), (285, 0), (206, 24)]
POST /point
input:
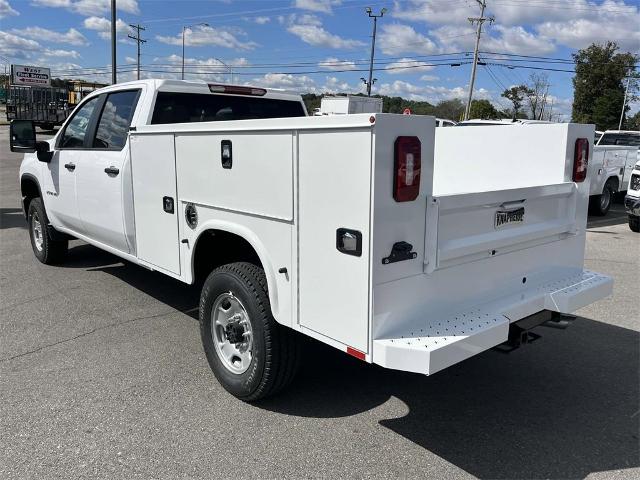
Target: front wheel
[(634, 223), (47, 250), (251, 355)]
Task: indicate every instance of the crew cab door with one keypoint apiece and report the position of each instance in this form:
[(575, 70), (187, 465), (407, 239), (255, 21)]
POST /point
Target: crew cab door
[(99, 177), (59, 175)]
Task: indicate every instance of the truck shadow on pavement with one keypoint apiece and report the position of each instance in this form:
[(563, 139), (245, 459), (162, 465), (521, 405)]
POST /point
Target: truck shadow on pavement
[(12, 218), (563, 407)]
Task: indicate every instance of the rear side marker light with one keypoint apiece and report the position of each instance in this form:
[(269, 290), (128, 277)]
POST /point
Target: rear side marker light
[(407, 164), (237, 90), (356, 353), (580, 160)]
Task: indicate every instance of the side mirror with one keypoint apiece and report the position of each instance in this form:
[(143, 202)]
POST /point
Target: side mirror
[(22, 136), (43, 152)]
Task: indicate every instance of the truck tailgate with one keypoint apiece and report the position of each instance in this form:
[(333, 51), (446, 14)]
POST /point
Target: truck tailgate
[(467, 227)]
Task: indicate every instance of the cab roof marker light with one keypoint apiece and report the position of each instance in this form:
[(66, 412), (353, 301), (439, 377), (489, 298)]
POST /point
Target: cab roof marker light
[(237, 90)]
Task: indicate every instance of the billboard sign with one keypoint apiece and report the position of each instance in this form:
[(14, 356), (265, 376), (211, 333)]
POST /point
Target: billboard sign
[(34, 76)]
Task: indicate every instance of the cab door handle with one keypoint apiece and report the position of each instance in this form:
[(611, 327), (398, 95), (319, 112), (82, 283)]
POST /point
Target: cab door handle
[(70, 166), (112, 170)]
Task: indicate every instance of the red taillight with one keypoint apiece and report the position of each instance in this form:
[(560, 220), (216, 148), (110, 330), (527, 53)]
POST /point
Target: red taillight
[(237, 90), (406, 179), (580, 160)]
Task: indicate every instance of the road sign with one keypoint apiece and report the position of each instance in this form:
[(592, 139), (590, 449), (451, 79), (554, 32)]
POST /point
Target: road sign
[(27, 75)]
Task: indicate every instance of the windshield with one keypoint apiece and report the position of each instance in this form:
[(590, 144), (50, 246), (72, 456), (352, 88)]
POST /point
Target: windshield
[(173, 107), (624, 139)]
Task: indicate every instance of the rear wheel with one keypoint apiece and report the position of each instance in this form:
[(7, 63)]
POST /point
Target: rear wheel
[(634, 223), (47, 250), (251, 355), (600, 204)]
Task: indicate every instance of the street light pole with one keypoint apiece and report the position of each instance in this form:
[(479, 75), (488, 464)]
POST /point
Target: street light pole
[(373, 45), (184, 28), (114, 75)]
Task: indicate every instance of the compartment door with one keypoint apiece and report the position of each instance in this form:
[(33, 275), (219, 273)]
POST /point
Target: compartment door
[(334, 193), (153, 168)]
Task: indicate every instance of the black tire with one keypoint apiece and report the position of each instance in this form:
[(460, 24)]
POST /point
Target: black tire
[(275, 350), (634, 223), (600, 204), (47, 250)]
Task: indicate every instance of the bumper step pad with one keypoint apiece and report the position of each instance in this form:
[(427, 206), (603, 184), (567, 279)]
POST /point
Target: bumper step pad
[(442, 343)]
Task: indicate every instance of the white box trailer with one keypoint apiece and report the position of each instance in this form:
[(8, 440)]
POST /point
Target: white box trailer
[(403, 246), (349, 104)]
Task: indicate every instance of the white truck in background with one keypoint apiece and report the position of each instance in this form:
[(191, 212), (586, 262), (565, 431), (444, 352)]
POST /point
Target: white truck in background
[(348, 105), (614, 156), (398, 243), (632, 199)]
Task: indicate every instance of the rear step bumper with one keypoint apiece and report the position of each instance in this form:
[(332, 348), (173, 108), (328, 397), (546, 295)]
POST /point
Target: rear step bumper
[(445, 342)]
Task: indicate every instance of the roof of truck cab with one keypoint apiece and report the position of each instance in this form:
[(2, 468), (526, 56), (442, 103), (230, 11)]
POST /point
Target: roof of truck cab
[(198, 86)]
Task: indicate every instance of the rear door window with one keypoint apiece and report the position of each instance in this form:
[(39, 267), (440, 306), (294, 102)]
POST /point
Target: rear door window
[(195, 107), (115, 120)]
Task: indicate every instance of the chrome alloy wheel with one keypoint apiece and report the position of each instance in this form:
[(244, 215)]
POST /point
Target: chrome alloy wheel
[(36, 231), (231, 333)]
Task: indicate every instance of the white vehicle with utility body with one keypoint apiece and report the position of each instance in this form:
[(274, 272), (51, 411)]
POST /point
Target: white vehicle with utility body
[(632, 199), (399, 244), (614, 156)]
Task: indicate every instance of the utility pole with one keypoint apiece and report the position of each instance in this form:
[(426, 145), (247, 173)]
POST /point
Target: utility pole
[(373, 46), (114, 75), (624, 102), (139, 41), (480, 21)]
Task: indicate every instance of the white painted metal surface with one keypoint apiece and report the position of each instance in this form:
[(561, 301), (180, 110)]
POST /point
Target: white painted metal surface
[(349, 104), (295, 181), (153, 172)]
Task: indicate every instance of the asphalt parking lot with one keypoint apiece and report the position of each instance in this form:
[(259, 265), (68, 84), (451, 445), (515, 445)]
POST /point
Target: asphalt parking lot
[(102, 375)]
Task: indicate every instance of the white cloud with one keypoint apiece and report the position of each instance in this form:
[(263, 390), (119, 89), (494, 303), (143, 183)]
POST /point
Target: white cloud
[(71, 36), (429, 93), (90, 7), (579, 33), (323, 6), (397, 39), (60, 53), (6, 10), (261, 20), (202, 35), (103, 27), (332, 63), (13, 45), (406, 66), (529, 27), (294, 83), (310, 30)]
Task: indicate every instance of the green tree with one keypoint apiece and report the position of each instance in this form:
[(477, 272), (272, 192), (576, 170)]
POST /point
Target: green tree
[(516, 96), (450, 109), (598, 86), (483, 109), (633, 122)]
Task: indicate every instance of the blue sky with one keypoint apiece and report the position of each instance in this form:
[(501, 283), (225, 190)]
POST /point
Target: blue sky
[(321, 45)]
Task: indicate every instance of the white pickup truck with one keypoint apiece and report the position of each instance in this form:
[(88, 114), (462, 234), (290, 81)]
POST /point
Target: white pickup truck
[(614, 156), (401, 245)]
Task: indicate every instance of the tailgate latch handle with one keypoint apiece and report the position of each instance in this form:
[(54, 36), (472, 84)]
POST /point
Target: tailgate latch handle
[(516, 204), (400, 251)]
